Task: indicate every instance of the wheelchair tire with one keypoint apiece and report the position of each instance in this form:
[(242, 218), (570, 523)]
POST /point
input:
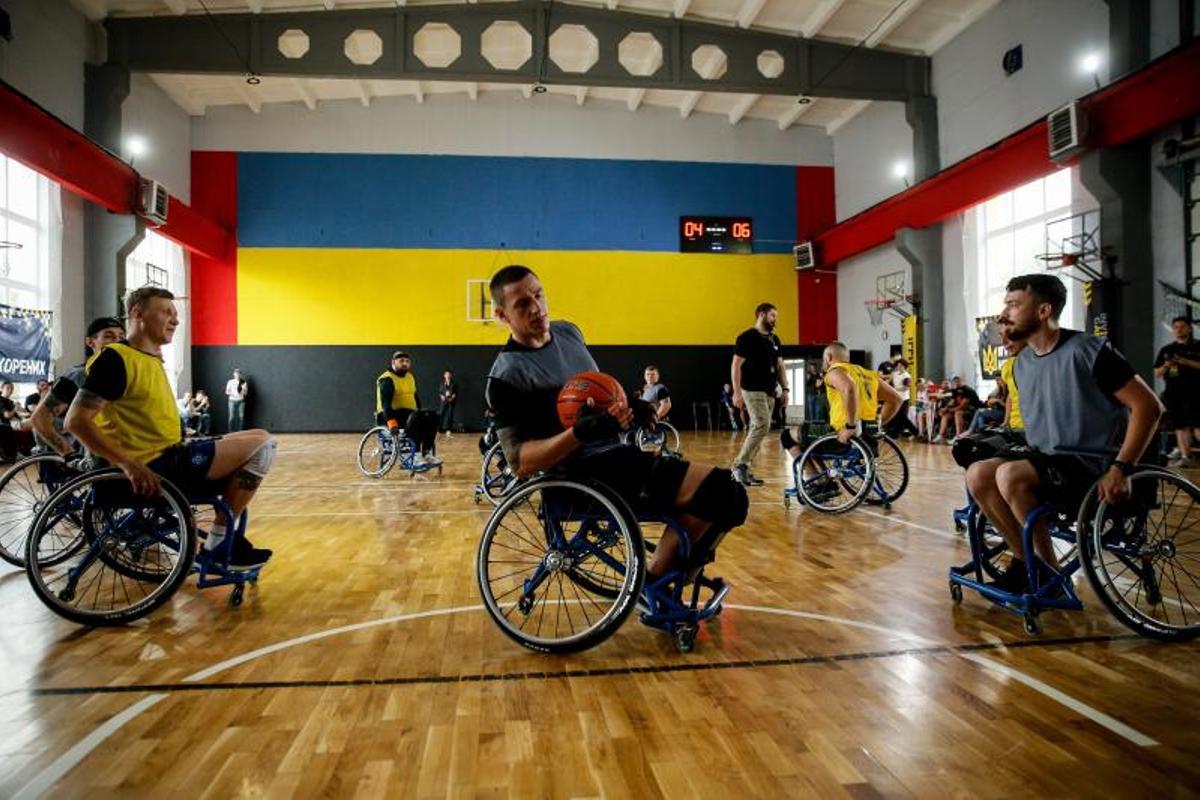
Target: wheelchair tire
[(891, 473), (1137, 562), (843, 476), (24, 488), (377, 452), (535, 546), (664, 438), (496, 479), (111, 580)]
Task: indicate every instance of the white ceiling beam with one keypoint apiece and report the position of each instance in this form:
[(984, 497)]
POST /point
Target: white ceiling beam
[(255, 6), (248, 95), (364, 92), (850, 113), (94, 10), (741, 107), (902, 12), (527, 90), (473, 90), (680, 8), (817, 19), (330, 5), (688, 105), (418, 91), (794, 113), (948, 32), (581, 95), (182, 97), (306, 93), (176, 6), (749, 12), (634, 100), (612, 4)]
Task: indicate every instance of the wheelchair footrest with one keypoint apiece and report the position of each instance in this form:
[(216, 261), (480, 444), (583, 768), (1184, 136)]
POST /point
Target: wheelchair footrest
[(1056, 594)]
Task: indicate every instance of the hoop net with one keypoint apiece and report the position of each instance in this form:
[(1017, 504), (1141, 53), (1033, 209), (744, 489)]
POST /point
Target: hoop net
[(1176, 304), (877, 308)]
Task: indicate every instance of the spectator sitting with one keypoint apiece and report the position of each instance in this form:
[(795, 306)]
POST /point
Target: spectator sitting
[(992, 412), (961, 403), (184, 404), (202, 413)]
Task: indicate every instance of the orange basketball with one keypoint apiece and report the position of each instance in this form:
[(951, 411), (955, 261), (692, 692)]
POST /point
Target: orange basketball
[(603, 390)]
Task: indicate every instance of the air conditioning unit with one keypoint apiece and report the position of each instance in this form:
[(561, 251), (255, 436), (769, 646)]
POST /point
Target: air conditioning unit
[(153, 201), (805, 256), (1068, 128)]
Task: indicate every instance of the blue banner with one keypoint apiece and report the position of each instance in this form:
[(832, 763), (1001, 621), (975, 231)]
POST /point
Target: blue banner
[(24, 344)]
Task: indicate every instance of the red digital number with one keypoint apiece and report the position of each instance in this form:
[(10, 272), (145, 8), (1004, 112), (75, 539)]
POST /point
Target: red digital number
[(692, 229), (741, 230)]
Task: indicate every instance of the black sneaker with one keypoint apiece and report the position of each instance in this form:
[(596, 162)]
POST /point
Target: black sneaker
[(741, 474), (1014, 580), (246, 556), (754, 479)]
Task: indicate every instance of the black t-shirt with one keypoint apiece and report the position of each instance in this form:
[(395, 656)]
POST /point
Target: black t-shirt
[(31, 401), (968, 394), (7, 406), (762, 354), (447, 391), (1179, 377), (106, 377)]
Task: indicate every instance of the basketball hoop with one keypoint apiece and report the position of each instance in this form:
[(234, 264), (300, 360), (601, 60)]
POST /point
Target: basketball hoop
[(876, 310)]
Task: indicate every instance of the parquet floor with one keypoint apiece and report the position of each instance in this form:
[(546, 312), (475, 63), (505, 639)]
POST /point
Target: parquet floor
[(841, 669)]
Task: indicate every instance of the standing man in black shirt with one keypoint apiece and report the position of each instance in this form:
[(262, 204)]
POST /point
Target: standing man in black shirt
[(757, 369), (448, 394), (1178, 364)]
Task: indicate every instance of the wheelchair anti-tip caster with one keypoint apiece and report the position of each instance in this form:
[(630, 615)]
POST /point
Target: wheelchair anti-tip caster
[(787, 503), (959, 527), (235, 597), (1033, 625), (956, 593), (685, 638)]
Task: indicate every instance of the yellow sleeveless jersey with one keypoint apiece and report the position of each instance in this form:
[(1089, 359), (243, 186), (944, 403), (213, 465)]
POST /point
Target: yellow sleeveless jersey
[(1014, 415), (144, 421), (866, 382), (404, 392)]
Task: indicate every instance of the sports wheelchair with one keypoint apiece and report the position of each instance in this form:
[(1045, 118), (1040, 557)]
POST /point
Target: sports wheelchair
[(496, 478), (24, 488), (561, 565), (1136, 555), (832, 477), (661, 437), (382, 448), (97, 554)]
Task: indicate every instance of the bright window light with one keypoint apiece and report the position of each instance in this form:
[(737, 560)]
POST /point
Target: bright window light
[(900, 170), (1090, 63), (135, 146)]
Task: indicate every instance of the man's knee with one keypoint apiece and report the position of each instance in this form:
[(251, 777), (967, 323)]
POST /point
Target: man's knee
[(262, 456), (720, 500), (1015, 477), (981, 477)]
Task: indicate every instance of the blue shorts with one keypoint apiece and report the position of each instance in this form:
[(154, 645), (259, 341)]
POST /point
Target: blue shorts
[(187, 463)]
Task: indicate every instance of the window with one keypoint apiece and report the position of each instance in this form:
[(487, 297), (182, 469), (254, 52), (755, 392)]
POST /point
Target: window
[(30, 246), (157, 261)]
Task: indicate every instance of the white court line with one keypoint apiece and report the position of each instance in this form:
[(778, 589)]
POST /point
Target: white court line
[(918, 526), (396, 513), (1079, 707), (57, 769)]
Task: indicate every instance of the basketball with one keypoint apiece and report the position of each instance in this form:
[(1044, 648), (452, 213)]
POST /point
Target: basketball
[(603, 390)]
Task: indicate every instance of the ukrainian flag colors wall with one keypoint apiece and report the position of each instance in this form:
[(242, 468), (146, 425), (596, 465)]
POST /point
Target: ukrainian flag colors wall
[(343, 257)]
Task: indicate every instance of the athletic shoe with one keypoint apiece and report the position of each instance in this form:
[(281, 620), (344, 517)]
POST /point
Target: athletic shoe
[(741, 474), (754, 479), (1176, 453), (418, 460), (246, 556), (432, 461), (1014, 580)]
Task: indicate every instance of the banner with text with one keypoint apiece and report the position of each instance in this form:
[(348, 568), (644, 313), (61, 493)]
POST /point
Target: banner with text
[(992, 352), (24, 344)]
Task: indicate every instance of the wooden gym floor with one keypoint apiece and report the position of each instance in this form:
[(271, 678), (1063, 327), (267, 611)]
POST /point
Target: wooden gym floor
[(363, 665)]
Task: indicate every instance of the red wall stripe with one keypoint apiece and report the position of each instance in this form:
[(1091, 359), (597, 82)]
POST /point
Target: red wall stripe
[(214, 280), (1148, 100), (816, 292)]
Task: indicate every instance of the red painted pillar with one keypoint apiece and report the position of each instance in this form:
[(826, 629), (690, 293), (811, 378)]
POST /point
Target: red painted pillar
[(214, 281), (816, 291)]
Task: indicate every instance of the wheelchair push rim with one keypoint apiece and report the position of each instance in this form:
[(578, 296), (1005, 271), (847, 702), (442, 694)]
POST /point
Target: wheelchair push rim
[(136, 551), (24, 489), (496, 479), (891, 472), (378, 451), (1142, 557), (664, 439), (842, 478), (560, 565)]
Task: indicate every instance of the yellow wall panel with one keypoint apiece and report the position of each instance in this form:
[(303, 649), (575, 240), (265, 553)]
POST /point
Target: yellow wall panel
[(345, 297)]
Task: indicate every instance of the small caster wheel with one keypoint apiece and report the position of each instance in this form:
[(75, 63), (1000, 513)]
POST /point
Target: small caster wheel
[(66, 595), (235, 598), (787, 503), (439, 470), (717, 611), (1033, 626), (478, 498), (685, 638), (959, 527), (956, 593), (887, 505)]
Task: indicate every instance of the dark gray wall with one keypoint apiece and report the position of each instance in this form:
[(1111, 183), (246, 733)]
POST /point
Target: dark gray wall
[(331, 388)]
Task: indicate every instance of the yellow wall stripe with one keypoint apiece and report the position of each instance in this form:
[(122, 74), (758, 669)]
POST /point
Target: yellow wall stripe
[(307, 296)]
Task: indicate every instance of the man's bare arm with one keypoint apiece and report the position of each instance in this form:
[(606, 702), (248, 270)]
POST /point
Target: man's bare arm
[(81, 423), (42, 422), (1145, 410)]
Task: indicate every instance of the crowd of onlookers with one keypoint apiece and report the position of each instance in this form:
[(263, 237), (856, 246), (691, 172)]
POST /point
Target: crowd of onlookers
[(16, 435)]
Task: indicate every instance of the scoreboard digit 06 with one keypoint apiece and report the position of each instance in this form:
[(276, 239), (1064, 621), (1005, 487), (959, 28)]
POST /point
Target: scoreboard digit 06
[(716, 235)]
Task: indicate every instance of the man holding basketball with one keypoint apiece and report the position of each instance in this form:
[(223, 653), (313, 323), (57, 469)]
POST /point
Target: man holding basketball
[(522, 389)]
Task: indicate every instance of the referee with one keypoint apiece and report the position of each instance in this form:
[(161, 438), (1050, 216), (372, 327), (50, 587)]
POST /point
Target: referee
[(757, 369)]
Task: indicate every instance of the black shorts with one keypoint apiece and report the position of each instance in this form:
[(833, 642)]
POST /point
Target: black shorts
[(1183, 409), (186, 464), (1064, 481), (649, 483)]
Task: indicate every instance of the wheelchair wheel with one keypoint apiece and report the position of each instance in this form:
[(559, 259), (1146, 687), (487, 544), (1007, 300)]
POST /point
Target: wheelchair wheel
[(136, 551), (560, 565), (664, 438), (1142, 557), (891, 472), (24, 488), (377, 452), (832, 477), (995, 557), (496, 478)]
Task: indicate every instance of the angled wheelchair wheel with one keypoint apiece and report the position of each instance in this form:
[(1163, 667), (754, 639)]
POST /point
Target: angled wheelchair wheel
[(136, 551), (1142, 556), (24, 488), (377, 452), (496, 478), (891, 472), (833, 477), (664, 438), (560, 565)]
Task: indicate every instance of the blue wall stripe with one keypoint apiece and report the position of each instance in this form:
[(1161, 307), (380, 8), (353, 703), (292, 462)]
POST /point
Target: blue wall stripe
[(400, 201)]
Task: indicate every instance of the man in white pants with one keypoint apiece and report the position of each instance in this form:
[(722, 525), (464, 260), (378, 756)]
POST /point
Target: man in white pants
[(757, 369), (236, 390)]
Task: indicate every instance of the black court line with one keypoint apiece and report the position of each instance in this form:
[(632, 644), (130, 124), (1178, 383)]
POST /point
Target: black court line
[(579, 673)]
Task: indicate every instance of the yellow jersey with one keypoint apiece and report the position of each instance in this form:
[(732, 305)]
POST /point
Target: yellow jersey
[(866, 382), (140, 416), (1014, 414), (404, 392)]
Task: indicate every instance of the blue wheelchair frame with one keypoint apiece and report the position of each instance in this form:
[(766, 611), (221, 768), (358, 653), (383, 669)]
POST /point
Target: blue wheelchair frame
[(848, 464), (397, 441), (212, 566)]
